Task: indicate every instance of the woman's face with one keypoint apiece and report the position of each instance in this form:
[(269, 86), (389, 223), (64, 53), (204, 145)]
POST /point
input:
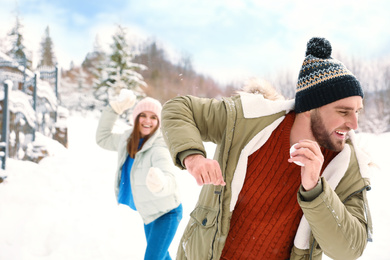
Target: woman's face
[(148, 122)]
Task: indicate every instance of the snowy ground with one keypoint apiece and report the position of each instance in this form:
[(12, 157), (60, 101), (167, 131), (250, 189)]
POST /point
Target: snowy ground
[(64, 207)]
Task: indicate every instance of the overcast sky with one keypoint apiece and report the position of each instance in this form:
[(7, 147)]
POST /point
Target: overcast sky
[(226, 39)]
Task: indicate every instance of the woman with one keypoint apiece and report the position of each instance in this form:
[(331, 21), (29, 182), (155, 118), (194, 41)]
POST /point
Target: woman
[(144, 179)]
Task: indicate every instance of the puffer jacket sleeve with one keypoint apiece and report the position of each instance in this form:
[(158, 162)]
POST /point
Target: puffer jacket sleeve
[(188, 121), (104, 136), (339, 228)]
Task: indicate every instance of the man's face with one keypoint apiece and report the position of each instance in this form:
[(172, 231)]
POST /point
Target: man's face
[(330, 123)]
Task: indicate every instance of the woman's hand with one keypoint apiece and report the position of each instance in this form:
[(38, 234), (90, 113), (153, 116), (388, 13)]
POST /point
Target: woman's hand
[(125, 100), (155, 180)]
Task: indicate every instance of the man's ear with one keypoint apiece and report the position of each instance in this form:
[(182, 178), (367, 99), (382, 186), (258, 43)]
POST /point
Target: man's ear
[(307, 113)]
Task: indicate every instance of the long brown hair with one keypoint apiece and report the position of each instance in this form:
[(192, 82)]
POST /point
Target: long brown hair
[(135, 136)]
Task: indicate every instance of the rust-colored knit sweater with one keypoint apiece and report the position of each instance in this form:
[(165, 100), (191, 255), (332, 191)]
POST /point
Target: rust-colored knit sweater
[(267, 214)]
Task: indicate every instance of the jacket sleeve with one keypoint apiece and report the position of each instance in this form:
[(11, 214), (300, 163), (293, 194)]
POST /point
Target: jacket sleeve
[(189, 121), (339, 228), (104, 136)]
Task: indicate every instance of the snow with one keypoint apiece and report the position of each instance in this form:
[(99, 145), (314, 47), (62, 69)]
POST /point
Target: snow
[(19, 102), (65, 208), (44, 90)]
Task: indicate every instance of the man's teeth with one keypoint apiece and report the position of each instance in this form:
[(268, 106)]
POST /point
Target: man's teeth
[(341, 133)]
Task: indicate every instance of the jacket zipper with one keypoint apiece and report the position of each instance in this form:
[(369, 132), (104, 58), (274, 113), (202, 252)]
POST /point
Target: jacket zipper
[(312, 249), (216, 192)]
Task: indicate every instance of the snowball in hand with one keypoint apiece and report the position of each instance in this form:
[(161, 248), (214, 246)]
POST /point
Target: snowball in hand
[(125, 94), (293, 149)]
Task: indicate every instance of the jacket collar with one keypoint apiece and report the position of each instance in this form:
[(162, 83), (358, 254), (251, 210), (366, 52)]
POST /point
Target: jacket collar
[(250, 105), (153, 140)]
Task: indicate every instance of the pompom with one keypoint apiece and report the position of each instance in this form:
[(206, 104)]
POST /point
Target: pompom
[(319, 47)]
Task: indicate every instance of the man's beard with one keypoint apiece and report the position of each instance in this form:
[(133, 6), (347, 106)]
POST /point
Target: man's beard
[(322, 137)]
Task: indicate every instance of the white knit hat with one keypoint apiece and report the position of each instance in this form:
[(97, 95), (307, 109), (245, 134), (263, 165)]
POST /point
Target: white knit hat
[(148, 104)]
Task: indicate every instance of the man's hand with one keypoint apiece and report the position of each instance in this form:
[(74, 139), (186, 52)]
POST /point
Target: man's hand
[(309, 153), (205, 171)]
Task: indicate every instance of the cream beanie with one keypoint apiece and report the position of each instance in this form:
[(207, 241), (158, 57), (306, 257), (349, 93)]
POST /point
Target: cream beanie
[(148, 104)]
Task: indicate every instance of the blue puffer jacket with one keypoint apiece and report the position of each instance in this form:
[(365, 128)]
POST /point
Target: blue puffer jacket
[(154, 153)]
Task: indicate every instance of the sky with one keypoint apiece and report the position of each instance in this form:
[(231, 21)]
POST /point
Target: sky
[(226, 39), (64, 207)]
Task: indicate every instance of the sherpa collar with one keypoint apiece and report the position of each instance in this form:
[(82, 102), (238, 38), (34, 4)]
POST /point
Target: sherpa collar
[(255, 105)]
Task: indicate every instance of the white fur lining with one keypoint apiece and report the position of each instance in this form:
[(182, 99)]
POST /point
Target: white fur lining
[(251, 147), (255, 105), (364, 159)]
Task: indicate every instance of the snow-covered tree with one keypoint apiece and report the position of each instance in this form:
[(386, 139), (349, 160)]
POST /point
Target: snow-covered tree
[(95, 59), (47, 53), (17, 50), (119, 71), (94, 62), (3, 47)]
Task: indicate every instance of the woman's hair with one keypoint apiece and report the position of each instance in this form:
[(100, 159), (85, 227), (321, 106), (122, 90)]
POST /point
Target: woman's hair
[(135, 136)]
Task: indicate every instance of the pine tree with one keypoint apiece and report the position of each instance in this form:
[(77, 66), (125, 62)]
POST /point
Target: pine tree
[(95, 60), (119, 71), (18, 50), (3, 45), (47, 52)]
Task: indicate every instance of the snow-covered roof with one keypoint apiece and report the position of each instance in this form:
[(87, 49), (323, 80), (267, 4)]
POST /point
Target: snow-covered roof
[(7, 61)]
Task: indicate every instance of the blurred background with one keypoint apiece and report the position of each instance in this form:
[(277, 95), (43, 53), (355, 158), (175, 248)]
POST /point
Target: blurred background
[(62, 61)]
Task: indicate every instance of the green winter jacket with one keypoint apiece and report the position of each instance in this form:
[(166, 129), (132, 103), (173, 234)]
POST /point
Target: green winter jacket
[(334, 222), (154, 153)]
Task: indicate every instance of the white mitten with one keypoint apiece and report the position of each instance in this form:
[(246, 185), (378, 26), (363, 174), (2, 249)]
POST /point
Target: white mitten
[(155, 180), (125, 101)]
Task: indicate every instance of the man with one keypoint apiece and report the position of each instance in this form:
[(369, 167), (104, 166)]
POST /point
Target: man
[(252, 209)]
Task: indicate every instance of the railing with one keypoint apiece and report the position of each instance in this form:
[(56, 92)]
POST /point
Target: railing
[(15, 72), (5, 126)]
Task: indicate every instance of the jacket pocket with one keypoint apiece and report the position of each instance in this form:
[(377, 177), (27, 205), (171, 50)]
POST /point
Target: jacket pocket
[(198, 239)]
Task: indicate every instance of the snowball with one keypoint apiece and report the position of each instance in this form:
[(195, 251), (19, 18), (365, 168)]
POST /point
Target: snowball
[(293, 149), (125, 94)]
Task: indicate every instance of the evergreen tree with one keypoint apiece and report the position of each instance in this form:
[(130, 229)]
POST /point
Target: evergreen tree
[(17, 49), (119, 71), (94, 61), (3, 45), (47, 53)]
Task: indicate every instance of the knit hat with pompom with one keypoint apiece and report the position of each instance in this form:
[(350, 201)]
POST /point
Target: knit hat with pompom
[(147, 104), (322, 79)]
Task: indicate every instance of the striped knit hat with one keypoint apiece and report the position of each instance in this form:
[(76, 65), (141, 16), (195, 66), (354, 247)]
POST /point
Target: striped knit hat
[(322, 79), (147, 104)]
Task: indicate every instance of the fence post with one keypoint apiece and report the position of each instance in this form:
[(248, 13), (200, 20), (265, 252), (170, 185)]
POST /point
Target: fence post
[(35, 106), (56, 81), (24, 72), (56, 90), (5, 127)]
